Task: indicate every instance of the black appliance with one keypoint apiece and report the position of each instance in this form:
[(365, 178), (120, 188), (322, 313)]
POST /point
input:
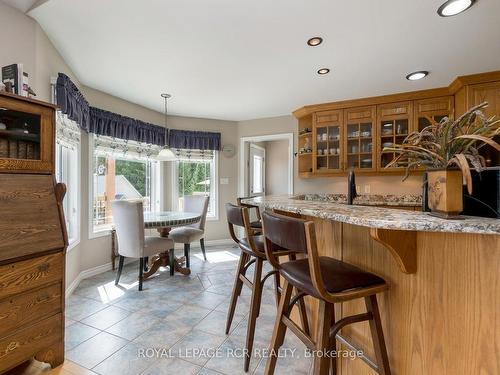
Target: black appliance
[(485, 198)]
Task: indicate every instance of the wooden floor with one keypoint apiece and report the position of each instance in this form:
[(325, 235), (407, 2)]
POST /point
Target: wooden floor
[(38, 368)]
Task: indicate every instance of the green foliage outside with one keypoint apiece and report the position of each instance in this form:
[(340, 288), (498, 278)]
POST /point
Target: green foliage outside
[(192, 177), (134, 172)]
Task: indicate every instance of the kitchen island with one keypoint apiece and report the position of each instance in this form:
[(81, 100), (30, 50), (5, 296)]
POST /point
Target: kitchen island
[(441, 313)]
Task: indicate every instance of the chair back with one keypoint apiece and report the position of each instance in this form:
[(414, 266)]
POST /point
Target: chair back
[(250, 206), (128, 217), (284, 232), (199, 205), (237, 216)]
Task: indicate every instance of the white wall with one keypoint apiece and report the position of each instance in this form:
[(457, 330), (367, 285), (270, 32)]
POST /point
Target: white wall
[(276, 167)]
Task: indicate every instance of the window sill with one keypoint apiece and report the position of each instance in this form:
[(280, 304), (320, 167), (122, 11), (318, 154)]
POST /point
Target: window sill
[(213, 218), (99, 234)]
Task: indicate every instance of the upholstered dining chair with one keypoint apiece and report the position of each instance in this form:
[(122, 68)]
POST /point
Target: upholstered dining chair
[(193, 232), (128, 217)]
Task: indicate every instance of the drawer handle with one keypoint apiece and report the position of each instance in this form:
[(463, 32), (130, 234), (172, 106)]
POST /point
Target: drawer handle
[(43, 267)]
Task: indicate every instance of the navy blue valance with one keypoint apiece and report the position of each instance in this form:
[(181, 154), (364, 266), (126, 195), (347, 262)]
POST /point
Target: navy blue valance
[(72, 102), (117, 126), (194, 140), (98, 121)]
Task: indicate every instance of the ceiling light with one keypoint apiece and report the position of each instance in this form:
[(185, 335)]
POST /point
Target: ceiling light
[(415, 76), (454, 7), (323, 71), (316, 41), (166, 154)]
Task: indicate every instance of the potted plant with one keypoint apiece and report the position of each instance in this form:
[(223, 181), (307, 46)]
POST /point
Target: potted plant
[(448, 150)]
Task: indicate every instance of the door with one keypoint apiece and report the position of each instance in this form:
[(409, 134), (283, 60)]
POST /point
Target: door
[(257, 170)]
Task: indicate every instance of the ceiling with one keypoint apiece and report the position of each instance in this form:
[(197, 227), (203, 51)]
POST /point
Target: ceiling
[(248, 59)]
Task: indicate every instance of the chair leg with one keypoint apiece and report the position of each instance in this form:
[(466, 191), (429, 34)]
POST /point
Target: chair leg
[(236, 290), (120, 268), (279, 329), (378, 336), (202, 245), (171, 260), (254, 310), (277, 288), (333, 346), (141, 270), (321, 363), (303, 315), (187, 247), (146, 264)]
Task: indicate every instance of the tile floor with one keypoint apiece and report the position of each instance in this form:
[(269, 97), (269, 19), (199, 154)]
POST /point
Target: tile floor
[(108, 326)]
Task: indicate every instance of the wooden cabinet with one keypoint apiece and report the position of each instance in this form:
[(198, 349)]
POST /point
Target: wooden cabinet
[(487, 92), (394, 122), (33, 237), (27, 133), (360, 135), (429, 111), (327, 141)]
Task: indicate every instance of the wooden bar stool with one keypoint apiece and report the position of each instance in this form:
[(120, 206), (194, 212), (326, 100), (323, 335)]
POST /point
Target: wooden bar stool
[(252, 252), (256, 225), (330, 281)]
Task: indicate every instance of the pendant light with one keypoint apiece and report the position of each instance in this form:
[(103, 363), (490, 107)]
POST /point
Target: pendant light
[(166, 154)]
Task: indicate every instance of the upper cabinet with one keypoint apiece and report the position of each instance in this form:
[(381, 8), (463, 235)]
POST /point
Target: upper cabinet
[(337, 137), (26, 135), (428, 111), (394, 123), (360, 136), (328, 138)]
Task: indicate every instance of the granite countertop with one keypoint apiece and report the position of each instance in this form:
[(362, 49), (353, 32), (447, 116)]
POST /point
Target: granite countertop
[(326, 207)]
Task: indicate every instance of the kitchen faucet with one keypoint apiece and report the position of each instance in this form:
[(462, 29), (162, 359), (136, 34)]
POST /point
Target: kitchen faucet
[(351, 187)]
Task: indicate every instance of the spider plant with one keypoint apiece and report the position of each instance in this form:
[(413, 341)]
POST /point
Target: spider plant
[(448, 144)]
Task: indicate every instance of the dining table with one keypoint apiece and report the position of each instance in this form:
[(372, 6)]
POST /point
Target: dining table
[(163, 222)]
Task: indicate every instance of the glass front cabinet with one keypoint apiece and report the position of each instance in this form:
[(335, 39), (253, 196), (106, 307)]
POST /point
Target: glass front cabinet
[(360, 133), (26, 135), (394, 123), (327, 136), (429, 111)]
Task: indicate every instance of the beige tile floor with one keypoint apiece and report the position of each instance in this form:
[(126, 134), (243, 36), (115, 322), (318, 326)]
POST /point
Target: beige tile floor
[(108, 326)]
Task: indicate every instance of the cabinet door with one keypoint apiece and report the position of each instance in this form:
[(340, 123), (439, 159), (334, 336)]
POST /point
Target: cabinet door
[(360, 136), (327, 140), (26, 136), (394, 123), (428, 111), (487, 92)]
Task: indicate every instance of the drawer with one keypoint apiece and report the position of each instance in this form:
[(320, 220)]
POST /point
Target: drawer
[(22, 276), (27, 342), (20, 310)]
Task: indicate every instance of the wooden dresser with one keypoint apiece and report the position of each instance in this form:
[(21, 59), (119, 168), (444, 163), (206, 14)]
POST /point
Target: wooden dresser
[(33, 235)]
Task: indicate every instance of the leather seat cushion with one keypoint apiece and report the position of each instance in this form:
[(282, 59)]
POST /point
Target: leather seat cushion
[(256, 224), (337, 276), (258, 242), (155, 245), (186, 234)]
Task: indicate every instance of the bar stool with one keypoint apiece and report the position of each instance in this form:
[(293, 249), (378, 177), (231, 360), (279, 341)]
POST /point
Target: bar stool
[(252, 252), (330, 281), (256, 225)]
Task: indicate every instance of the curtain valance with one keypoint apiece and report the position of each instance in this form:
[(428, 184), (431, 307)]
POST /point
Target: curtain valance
[(194, 140), (72, 102), (117, 126)]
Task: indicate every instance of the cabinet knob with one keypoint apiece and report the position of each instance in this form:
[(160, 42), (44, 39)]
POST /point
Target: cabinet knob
[(43, 267)]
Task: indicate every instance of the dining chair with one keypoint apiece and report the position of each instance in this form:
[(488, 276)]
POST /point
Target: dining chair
[(193, 232), (128, 219)]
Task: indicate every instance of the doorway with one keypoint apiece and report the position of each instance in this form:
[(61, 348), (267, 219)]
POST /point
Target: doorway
[(266, 165)]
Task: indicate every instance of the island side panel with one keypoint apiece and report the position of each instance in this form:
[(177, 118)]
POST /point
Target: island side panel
[(441, 320)]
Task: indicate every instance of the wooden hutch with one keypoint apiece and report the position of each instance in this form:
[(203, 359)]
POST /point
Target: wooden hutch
[(33, 237), (351, 134)]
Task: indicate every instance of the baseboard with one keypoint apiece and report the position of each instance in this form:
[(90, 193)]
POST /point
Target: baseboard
[(107, 267)]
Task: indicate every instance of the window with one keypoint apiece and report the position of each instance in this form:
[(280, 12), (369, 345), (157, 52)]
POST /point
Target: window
[(195, 173), (68, 172), (118, 174)]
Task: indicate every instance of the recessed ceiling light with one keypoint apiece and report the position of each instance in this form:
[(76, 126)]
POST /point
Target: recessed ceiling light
[(415, 76), (316, 41), (454, 7), (323, 71)]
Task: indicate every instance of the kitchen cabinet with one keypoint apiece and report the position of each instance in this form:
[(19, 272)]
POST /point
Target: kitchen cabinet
[(327, 140), (360, 135)]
